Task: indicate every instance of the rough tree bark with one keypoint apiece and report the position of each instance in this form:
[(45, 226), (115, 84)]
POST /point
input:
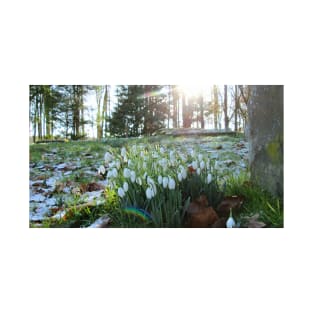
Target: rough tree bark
[(266, 135)]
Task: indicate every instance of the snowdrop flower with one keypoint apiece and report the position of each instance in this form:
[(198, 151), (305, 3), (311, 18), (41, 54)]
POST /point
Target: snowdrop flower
[(230, 223), (139, 181), (142, 154), (112, 164), (150, 180), (123, 152), (118, 164), (144, 165), (194, 164), (200, 157), (114, 172), (202, 165), (153, 189), (109, 175), (171, 184), (152, 185), (132, 176), (129, 163), (208, 165), (162, 150), (149, 193), (121, 192), (165, 182), (180, 177), (160, 180), (198, 171), (126, 172), (209, 178), (125, 186), (101, 170), (108, 157)]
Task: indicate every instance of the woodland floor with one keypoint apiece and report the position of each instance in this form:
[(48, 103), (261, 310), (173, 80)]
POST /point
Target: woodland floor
[(65, 174)]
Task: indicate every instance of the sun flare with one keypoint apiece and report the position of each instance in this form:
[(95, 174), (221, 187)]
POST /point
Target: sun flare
[(192, 90)]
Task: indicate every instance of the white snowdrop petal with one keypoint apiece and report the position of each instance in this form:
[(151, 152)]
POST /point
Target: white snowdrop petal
[(125, 186), (121, 192), (230, 223), (171, 184), (165, 182), (209, 178)]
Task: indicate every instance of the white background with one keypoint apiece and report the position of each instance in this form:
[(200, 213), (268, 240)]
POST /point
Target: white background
[(161, 42)]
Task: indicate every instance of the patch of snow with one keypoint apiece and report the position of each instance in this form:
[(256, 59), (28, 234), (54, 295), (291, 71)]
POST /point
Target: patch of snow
[(35, 182), (59, 215), (100, 222), (91, 173), (93, 194), (51, 182), (61, 166), (37, 198), (39, 214), (50, 202)]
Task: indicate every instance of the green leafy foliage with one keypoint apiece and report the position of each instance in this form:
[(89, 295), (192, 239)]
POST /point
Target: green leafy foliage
[(256, 200)]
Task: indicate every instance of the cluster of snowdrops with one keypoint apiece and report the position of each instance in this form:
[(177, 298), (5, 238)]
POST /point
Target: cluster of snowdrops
[(161, 181)]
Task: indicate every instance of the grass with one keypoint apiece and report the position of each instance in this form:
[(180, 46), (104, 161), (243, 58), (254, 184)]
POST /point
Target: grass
[(257, 200)]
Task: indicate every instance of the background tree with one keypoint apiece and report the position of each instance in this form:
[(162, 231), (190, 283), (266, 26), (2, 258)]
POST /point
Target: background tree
[(155, 108), (215, 106), (225, 109), (102, 96), (201, 106), (128, 116), (175, 97), (187, 111)]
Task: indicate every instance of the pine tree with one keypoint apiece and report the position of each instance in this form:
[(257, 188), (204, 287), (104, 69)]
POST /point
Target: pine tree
[(127, 119), (155, 108)]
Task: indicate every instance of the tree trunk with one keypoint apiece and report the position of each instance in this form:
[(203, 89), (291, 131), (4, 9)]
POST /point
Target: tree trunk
[(265, 133), (81, 106), (35, 118), (104, 109), (175, 112), (169, 106), (201, 111), (236, 107), (186, 112), (107, 112), (226, 118), (215, 107)]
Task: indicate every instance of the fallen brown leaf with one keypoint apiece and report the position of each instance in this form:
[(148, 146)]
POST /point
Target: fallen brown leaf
[(203, 217), (220, 223), (90, 187), (231, 202)]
